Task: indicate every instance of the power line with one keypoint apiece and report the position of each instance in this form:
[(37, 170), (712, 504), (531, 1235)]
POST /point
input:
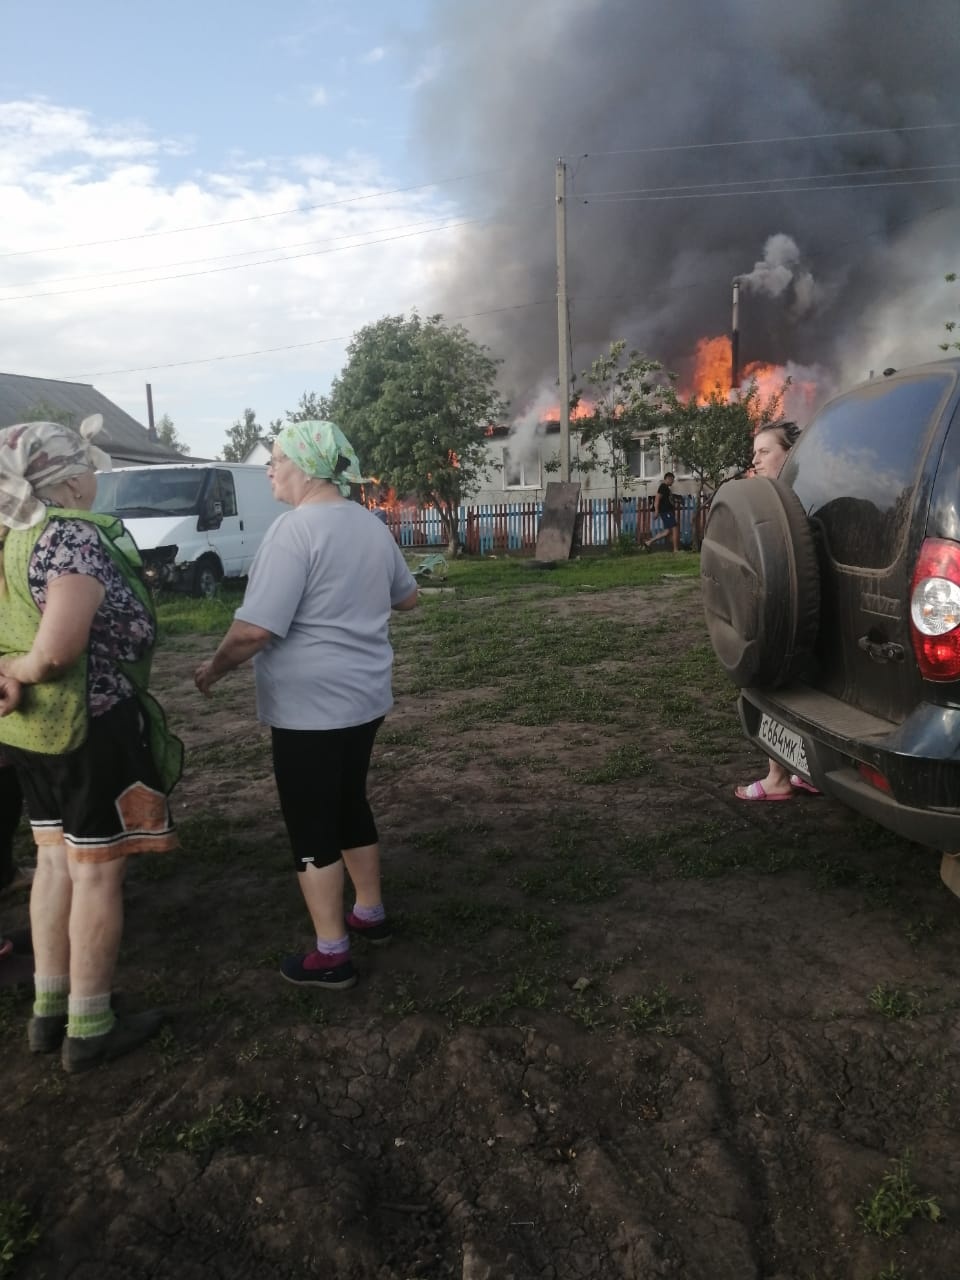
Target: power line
[(294, 346), (253, 217), (758, 142), (746, 182), (427, 224), (692, 191), (768, 191), (439, 224), (464, 177), (519, 306), (240, 266)]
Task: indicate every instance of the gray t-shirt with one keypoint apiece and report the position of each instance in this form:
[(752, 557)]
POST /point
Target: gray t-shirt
[(323, 582)]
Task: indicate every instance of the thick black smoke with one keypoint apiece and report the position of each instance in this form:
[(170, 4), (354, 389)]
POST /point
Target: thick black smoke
[(604, 83)]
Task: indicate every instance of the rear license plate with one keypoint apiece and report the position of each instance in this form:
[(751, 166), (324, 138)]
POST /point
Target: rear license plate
[(784, 743)]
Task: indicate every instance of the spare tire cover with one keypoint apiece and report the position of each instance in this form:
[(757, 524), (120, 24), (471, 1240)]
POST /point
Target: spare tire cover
[(761, 584)]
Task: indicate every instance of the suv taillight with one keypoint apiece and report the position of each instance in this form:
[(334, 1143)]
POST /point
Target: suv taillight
[(935, 610)]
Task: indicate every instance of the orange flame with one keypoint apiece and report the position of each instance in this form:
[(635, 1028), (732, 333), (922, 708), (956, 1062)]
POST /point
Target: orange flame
[(713, 367), (584, 408)]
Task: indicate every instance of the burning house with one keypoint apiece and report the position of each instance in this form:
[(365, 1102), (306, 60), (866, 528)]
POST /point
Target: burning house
[(808, 151)]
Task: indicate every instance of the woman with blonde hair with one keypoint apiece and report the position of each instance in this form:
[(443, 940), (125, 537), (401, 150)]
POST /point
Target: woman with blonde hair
[(771, 445), (90, 746)]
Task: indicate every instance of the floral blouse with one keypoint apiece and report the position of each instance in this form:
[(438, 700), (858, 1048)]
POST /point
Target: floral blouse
[(122, 629)]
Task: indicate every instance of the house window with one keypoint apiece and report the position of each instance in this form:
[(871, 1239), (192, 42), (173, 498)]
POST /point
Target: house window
[(644, 460), (520, 472)]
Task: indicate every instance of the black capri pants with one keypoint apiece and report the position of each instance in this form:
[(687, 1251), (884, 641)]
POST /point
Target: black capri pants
[(322, 783)]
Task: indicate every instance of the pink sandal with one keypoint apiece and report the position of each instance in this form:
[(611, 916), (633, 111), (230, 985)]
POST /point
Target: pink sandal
[(801, 784), (756, 791)]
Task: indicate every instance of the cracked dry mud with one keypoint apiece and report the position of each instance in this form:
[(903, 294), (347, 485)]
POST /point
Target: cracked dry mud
[(670, 1066)]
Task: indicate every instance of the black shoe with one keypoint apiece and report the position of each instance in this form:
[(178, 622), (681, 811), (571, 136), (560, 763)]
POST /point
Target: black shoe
[(80, 1053), (45, 1032), (299, 969), (377, 934)]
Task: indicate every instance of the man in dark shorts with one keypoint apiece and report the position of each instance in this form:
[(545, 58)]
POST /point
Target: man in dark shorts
[(664, 509)]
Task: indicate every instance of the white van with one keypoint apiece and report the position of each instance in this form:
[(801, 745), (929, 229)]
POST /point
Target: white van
[(194, 522)]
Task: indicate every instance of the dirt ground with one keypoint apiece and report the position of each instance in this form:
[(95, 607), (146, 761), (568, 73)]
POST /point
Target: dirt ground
[(628, 1027)]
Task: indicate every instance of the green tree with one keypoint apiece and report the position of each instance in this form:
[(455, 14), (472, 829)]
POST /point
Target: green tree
[(711, 438), (41, 411), (628, 392), (242, 436), (950, 325), (310, 408), (167, 435), (415, 399)]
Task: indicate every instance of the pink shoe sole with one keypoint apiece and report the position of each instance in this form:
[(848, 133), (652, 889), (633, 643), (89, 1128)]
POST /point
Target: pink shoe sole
[(755, 791)]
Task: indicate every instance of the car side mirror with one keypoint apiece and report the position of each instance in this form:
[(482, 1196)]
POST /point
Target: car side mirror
[(212, 517)]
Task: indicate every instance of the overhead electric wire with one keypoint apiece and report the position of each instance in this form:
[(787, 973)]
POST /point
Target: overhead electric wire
[(757, 142), (253, 217), (746, 182), (518, 306), (239, 266), (427, 224), (766, 191), (294, 346), (464, 177)]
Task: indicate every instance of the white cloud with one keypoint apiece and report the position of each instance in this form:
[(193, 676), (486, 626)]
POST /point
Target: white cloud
[(318, 96), (374, 55), (80, 225)]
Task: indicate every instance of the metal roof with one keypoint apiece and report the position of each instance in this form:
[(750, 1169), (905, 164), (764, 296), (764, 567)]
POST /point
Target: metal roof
[(122, 436)]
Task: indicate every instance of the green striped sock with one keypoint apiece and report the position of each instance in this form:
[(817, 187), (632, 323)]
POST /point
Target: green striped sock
[(50, 995), (89, 1016)]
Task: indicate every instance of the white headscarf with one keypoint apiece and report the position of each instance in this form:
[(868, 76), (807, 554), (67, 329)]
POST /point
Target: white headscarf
[(37, 455)]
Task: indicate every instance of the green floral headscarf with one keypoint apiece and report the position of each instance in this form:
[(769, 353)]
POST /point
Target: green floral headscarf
[(322, 451)]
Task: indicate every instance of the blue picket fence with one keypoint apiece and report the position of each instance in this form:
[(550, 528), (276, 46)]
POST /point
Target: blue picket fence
[(489, 527)]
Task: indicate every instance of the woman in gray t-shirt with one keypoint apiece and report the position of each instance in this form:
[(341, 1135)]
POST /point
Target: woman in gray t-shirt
[(315, 620)]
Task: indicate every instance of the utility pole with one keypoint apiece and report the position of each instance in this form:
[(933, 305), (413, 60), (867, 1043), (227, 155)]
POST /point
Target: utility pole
[(151, 428), (735, 338), (563, 323)]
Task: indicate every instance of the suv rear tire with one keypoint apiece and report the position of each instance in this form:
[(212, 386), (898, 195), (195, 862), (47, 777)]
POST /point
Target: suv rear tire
[(761, 583)]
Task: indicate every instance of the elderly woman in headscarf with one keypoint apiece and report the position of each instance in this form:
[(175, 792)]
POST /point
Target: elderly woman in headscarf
[(90, 747), (315, 619)]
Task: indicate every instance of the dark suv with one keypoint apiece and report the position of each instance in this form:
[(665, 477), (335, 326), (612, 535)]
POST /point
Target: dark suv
[(833, 601)]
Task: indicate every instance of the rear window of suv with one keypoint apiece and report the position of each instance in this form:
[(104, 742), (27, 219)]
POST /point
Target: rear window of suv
[(859, 463)]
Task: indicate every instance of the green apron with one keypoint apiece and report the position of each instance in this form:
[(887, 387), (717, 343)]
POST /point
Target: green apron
[(52, 716)]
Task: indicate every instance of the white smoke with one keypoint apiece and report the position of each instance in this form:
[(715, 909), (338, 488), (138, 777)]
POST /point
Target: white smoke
[(779, 269)]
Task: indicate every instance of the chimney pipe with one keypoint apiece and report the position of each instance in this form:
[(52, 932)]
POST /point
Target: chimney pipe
[(151, 428), (735, 339)]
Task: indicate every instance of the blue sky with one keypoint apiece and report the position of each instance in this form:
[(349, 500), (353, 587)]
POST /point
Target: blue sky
[(243, 76), (288, 124)]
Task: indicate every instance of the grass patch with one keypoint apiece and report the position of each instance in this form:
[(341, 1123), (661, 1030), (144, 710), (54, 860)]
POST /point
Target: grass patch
[(218, 1126), (454, 920), (629, 761), (18, 1235), (893, 1002), (895, 1203), (654, 1011), (181, 615)]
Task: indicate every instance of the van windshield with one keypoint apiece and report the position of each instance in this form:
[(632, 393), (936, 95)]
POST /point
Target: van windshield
[(154, 491)]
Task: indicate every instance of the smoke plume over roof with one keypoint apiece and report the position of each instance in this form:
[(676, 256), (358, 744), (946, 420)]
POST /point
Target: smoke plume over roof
[(787, 144)]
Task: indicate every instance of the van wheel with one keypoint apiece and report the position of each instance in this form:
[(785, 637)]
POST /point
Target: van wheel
[(761, 582), (206, 577)]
